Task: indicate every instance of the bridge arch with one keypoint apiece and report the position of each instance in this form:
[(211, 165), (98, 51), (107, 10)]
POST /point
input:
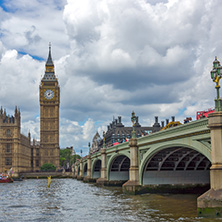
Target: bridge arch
[(175, 164), (85, 169), (96, 168), (118, 167), (78, 170)]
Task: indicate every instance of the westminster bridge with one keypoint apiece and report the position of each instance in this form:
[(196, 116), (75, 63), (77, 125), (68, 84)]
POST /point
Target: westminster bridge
[(177, 156), (186, 157), (183, 156)]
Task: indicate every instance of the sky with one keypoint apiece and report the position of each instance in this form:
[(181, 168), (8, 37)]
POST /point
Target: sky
[(111, 57)]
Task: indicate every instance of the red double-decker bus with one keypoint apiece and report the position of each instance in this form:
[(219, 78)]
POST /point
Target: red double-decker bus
[(204, 113)]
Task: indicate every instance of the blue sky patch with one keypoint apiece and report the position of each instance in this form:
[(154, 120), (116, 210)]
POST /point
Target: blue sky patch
[(33, 56), (181, 111), (3, 5)]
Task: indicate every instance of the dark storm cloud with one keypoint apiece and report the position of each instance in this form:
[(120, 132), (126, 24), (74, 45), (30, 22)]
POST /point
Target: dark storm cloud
[(135, 78)]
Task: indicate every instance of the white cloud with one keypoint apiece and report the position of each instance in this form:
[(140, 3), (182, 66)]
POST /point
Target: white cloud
[(88, 129), (31, 126), (30, 25), (111, 57), (20, 77)]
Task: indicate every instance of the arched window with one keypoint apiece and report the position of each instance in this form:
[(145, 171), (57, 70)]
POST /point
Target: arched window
[(8, 132), (8, 148), (8, 161)]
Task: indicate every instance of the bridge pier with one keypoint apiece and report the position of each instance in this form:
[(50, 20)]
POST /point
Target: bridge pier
[(80, 176), (132, 186), (89, 178), (75, 171), (210, 203), (103, 178)]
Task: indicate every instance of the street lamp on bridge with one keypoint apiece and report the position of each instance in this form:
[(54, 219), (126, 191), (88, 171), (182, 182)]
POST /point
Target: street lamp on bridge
[(104, 139), (133, 119), (216, 75), (89, 148)]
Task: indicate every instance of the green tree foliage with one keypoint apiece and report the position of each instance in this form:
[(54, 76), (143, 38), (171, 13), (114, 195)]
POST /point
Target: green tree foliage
[(48, 167), (67, 159)]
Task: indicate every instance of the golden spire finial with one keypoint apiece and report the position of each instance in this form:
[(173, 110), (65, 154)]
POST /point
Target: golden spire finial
[(104, 134), (133, 118), (104, 140), (49, 66)]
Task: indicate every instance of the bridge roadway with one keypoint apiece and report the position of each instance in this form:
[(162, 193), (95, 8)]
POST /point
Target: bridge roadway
[(179, 156)]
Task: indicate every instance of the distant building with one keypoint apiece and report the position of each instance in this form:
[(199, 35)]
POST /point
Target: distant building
[(118, 133), (72, 150), (96, 142)]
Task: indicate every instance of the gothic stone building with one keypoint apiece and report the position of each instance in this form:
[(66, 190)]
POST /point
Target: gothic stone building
[(118, 133), (18, 151), (49, 96)]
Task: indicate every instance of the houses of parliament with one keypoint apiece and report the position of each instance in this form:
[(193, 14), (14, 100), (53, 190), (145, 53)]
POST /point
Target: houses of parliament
[(18, 151)]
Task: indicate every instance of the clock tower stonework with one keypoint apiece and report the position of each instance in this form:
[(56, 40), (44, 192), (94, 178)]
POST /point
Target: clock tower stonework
[(49, 97)]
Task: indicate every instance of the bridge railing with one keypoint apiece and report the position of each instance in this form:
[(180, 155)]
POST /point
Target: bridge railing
[(185, 130)]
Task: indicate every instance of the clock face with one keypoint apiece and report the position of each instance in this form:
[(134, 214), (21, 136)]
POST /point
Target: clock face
[(49, 94)]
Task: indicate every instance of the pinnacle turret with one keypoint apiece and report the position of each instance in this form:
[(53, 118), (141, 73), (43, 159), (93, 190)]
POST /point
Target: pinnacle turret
[(49, 60), (49, 68)]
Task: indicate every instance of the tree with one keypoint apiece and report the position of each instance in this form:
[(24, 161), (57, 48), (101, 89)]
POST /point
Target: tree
[(48, 167), (67, 159), (62, 161)]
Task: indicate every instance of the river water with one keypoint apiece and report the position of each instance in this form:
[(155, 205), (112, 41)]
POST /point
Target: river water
[(71, 200)]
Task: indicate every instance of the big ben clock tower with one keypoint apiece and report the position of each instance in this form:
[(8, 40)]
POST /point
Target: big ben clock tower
[(49, 96)]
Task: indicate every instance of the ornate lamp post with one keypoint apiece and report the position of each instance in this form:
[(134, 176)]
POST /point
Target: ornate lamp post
[(133, 186), (81, 153), (209, 204), (89, 148), (216, 75), (104, 139), (103, 172), (133, 119)]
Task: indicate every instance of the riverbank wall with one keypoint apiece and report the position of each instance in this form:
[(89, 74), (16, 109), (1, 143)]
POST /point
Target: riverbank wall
[(39, 175)]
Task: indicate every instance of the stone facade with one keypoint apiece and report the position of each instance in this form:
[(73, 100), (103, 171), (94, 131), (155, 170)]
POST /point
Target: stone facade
[(49, 97), (16, 151), (35, 154), (118, 133)]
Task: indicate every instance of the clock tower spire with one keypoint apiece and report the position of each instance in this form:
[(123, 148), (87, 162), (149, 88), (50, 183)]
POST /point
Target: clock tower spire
[(49, 97), (49, 60), (49, 67)]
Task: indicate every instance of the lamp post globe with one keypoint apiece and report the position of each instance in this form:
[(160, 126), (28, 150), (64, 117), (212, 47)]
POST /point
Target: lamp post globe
[(216, 74)]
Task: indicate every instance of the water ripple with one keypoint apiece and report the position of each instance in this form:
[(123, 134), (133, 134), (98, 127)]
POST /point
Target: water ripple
[(71, 200)]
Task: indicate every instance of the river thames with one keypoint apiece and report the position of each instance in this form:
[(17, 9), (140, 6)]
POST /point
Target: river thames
[(72, 200)]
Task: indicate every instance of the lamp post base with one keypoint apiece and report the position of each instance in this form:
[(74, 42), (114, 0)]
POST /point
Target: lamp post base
[(218, 105)]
